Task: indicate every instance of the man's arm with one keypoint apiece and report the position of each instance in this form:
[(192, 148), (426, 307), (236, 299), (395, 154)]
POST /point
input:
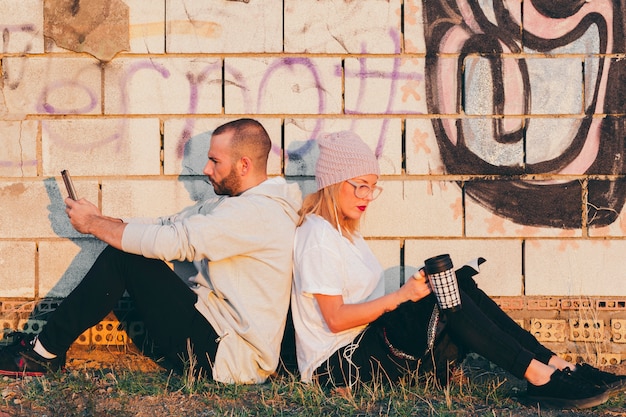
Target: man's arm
[(86, 218)]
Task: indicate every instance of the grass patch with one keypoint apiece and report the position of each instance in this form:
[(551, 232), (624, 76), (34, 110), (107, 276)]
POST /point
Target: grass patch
[(158, 394)]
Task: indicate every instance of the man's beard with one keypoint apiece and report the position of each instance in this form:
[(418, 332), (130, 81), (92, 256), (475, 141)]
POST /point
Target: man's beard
[(230, 185)]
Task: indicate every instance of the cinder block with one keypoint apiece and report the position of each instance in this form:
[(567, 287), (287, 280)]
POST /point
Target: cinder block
[(618, 330), (23, 26), (384, 137), (225, 26), (543, 303), (7, 326), (109, 332), (17, 258), (17, 307), (30, 326), (546, 330), (577, 303), (136, 329), (146, 26), (342, 27), (577, 357), (414, 41), (549, 99), (19, 154), (583, 267), (482, 222), (500, 276), (45, 217), (611, 304), (422, 150), (103, 146), (605, 359), (509, 303), (415, 209), (163, 86), (385, 86), (586, 330), (63, 264), (84, 338), (144, 198), (45, 85), (388, 254), (302, 85)]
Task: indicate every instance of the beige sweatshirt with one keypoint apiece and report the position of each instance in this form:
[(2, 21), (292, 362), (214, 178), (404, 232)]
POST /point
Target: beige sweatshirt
[(242, 248)]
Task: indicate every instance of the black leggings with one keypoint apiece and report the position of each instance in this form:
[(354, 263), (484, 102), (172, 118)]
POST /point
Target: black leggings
[(395, 344), (164, 302)]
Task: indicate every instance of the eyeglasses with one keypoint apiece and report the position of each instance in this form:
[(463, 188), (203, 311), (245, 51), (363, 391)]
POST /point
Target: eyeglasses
[(364, 190)]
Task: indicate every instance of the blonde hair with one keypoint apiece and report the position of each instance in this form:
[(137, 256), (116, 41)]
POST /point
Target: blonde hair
[(323, 203)]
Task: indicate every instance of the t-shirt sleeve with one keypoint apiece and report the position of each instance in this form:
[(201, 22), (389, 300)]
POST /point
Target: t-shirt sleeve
[(320, 269)]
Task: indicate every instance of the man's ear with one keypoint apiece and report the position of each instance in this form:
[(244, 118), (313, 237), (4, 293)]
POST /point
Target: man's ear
[(246, 165)]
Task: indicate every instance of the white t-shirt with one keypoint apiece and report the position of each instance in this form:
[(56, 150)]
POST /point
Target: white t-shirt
[(327, 263)]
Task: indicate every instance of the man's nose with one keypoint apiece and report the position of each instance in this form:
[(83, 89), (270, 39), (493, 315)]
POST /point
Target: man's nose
[(208, 169)]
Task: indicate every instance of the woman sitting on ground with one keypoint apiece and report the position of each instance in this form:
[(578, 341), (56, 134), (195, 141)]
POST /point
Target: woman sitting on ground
[(348, 331)]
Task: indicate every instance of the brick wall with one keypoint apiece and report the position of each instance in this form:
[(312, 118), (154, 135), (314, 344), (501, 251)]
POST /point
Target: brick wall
[(500, 133)]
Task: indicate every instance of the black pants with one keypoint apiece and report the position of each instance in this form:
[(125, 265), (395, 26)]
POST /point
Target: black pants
[(395, 344), (164, 302)]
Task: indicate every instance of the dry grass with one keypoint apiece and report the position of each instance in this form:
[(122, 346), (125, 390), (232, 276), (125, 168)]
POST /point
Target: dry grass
[(109, 390)]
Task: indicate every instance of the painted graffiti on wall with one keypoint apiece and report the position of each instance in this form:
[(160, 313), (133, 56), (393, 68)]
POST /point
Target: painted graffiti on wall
[(516, 98)]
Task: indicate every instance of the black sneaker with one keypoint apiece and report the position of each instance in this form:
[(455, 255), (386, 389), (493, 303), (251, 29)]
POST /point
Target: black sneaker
[(564, 390), (611, 382), (19, 358)]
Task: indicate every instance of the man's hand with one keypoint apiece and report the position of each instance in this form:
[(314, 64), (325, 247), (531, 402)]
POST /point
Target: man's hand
[(81, 213), (86, 218)]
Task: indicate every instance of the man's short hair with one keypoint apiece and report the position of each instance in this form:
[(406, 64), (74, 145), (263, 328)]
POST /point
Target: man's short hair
[(249, 139)]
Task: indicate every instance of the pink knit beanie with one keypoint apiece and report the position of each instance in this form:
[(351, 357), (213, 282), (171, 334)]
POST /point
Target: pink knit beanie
[(343, 155)]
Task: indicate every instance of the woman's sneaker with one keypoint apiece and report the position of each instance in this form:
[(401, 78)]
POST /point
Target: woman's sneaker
[(611, 382), (564, 390), (19, 358)]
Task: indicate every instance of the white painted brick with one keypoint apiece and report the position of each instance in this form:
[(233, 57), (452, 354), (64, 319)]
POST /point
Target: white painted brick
[(18, 148), (103, 146), (147, 26), (481, 222), (224, 26), (414, 27), (300, 85), (51, 85), (17, 267), (384, 136), (163, 85), (63, 264), (501, 275), (385, 86), (550, 94), (575, 267), (415, 208), (186, 143), (22, 24), (36, 209), (388, 254), (422, 150), (144, 198), (366, 26)]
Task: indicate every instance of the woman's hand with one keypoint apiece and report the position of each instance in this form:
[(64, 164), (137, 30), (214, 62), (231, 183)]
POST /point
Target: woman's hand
[(416, 287)]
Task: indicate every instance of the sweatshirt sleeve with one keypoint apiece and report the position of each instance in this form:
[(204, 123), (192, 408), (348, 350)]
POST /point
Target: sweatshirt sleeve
[(235, 227)]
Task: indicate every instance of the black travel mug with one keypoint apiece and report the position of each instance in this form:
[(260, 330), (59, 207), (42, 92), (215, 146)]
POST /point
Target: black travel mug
[(442, 278)]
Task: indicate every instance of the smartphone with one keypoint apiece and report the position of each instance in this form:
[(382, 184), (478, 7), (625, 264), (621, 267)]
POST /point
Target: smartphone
[(69, 185)]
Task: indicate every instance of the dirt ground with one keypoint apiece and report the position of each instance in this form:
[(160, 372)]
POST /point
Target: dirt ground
[(99, 402)]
